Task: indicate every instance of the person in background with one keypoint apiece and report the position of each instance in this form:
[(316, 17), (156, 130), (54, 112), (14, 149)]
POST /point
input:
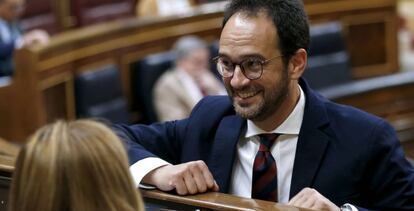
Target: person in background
[(11, 35), (79, 165), (179, 90), (163, 7)]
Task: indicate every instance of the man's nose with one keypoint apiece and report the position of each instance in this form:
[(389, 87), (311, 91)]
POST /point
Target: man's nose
[(239, 80)]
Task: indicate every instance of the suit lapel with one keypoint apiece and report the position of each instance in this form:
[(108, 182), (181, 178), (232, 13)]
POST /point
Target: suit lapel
[(224, 149), (312, 143), (309, 153)]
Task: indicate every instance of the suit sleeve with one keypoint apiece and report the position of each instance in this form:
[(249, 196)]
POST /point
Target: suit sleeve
[(162, 140), (389, 176)]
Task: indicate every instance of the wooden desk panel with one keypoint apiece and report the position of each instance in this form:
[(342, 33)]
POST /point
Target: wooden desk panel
[(211, 201)]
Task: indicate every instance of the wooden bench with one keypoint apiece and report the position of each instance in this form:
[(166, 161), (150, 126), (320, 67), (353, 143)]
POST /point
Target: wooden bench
[(41, 90), (390, 97)]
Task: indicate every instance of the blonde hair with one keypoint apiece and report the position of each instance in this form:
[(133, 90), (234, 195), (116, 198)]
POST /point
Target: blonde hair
[(79, 165)]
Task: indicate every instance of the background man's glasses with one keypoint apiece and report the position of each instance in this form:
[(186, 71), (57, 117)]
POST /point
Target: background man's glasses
[(252, 68)]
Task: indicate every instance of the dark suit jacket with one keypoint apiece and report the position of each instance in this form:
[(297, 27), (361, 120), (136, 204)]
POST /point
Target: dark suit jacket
[(347, 155)]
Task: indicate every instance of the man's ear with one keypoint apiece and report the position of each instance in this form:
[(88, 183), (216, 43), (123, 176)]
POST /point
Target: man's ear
[(297, 64)]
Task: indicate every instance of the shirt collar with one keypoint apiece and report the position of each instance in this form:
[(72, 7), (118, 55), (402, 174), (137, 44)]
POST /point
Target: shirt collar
[(291, 125)]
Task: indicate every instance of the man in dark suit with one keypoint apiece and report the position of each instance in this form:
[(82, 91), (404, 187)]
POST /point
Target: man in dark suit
[(275, 138)]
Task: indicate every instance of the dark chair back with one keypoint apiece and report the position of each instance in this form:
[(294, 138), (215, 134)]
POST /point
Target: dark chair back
[(214, 51), (328, 61), (144, 75), (99, 94)]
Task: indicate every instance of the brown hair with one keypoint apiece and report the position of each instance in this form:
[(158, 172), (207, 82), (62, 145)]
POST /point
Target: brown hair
[(79, 165)]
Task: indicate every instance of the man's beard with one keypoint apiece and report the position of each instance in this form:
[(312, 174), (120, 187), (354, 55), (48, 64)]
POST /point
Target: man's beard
[(270, 102)]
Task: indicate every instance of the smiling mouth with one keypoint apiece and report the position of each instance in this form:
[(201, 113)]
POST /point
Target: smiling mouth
[(245, 95)]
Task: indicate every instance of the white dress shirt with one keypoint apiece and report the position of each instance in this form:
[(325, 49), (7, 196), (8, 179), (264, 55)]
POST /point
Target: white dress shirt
[(283, 151)]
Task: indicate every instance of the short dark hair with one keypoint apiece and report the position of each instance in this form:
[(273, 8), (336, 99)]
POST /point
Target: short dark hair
[(288, 16)]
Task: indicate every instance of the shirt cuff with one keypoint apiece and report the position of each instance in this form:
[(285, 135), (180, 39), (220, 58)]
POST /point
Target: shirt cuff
[(143, 167), (352, 207)]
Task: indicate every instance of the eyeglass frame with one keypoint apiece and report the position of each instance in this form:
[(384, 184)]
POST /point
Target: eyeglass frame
[(235, 64)]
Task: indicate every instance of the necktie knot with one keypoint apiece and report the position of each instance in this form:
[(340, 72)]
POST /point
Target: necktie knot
[(267, 140)]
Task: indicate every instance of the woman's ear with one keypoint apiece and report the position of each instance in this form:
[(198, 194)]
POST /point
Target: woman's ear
[(297, 64)]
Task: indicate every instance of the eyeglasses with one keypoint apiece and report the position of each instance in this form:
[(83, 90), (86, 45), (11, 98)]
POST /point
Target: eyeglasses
[(252, 68)]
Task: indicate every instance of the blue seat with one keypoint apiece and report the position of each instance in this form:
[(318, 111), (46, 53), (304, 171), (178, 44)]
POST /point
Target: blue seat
[(328, 61), (98, 94)]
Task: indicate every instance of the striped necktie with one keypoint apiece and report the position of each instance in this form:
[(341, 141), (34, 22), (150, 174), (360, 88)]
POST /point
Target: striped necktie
[(264, 184)]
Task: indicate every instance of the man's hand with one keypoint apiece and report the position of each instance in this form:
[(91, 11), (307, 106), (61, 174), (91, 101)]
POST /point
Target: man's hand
[(187, 178), (312, 199)]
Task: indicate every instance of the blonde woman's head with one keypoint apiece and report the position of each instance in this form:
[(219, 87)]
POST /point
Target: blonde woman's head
[(79, 165)]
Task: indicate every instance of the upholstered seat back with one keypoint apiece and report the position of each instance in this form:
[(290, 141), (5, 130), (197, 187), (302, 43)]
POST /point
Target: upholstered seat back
[(328, 60), (145, 73), (99, 94)]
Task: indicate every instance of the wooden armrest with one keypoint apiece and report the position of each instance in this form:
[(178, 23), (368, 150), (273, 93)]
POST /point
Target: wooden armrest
[(7, 164), (8, 148), (370, 85), (8, 155), (209, 201)]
